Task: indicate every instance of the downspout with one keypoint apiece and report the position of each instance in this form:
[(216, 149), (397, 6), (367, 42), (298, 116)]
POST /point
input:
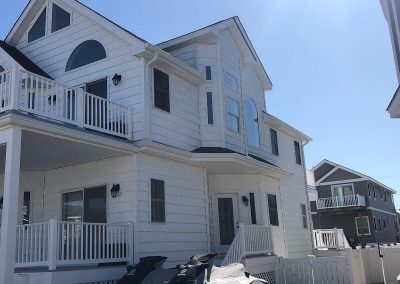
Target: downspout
[(147, 106)]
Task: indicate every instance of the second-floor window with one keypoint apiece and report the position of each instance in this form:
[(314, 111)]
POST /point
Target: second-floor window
[(253, 135), (273, 210), (274, 142), (304, 215), (233, 115), (208, 73), (38, 29), (86, 53), (210, 110), (161, 90), (342, 190), (297, 151)]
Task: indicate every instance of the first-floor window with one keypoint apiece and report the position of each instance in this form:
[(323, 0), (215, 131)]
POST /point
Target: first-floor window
[(362, 225), (233, 115), (157, 201), (304, 215), (273, 210), (26, 208)]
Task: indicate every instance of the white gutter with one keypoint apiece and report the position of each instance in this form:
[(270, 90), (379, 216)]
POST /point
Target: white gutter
[(147, 88)]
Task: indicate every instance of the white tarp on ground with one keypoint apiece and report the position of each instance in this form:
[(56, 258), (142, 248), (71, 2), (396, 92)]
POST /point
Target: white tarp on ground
[(231, 274)]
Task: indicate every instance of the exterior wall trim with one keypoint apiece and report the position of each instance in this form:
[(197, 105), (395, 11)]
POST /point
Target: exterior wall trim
[(382, 211)]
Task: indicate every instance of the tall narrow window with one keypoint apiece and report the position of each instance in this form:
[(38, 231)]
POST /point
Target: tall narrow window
[(297, 152), (210, 111), (157, 201), (253, 135), (38, 29), (273, 210), (87, 52), (380, 224), (161, 90), (274, 142), (26, 208), (304, 215), (231, 81), (60, 18), (253, 209), (233, 115), (208, 72), (362, 225)]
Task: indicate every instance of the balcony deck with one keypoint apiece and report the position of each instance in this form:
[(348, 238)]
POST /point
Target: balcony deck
[(336, 202), (27, 92)]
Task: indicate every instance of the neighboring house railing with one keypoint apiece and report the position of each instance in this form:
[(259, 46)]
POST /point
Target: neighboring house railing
[(330, 239), (338, 201), (56, 243), (249, 240), (34, 94)]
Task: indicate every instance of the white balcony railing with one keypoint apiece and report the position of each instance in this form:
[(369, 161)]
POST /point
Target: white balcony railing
[(249, 240), (34, 94), (56, 243), (330, 239), (341, 201)]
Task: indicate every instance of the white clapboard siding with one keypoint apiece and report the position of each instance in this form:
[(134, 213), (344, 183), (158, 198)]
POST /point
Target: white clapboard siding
[(185, 231)]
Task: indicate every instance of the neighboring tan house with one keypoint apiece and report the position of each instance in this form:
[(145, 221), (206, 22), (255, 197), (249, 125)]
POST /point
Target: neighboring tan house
[(354, 202), (391, 10), (116, 149)]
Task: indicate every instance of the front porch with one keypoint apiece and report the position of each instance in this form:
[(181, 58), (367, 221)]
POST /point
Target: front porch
[(57, 210)]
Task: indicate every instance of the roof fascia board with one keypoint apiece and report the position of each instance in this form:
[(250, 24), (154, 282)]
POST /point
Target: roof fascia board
[(324, 161), (283, 126), (338, 182)]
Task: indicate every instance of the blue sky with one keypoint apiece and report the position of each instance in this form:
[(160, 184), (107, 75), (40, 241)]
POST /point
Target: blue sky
[(330, 61)]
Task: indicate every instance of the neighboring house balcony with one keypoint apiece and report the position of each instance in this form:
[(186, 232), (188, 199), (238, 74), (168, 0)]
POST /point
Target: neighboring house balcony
[(335, 202), (27, 92)]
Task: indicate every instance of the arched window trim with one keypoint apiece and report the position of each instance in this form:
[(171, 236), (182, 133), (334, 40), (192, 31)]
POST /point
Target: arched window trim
[(91, 63), (252, 121)]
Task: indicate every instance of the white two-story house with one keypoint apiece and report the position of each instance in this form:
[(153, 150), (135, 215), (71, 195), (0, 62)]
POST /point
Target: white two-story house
[(113, 149)]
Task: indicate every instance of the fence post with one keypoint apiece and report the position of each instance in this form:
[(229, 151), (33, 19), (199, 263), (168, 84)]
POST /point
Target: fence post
[(336, 238), (80, 108), (131, 242), (53, 239)]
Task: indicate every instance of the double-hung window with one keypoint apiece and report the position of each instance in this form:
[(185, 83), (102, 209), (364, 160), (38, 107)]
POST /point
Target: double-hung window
[(304, 215), (157, 201), (274, 142), (362, 225), (233, 115), (161, 90), (273, 210)]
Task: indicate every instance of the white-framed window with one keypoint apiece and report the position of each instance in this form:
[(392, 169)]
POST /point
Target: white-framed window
[(157, 200), (38, 30), (231, 81), (60, 18), (362, 225), (304, 215), (342, 190), (233, 114), (253, 132)]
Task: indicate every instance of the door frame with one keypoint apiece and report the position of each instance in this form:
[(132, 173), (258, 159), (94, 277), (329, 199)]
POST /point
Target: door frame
[(216, 232)]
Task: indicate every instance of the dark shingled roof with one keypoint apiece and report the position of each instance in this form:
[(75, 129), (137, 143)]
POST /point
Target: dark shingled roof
[(22, 60), (229, 151)]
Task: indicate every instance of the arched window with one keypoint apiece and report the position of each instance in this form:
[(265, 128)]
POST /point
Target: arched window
[(2, 69), (253, 135), (87, 52)]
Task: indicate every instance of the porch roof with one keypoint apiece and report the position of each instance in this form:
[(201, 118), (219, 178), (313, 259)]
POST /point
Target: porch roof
[(22, 60)]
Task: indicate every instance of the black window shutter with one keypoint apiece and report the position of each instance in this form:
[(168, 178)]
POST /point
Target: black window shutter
[(161, 90)]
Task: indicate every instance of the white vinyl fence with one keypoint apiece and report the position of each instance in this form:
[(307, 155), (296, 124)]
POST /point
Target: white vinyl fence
[(313, 270)]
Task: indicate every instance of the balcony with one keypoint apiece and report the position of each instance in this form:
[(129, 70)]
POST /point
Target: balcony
[(341, 202), (36, 95)]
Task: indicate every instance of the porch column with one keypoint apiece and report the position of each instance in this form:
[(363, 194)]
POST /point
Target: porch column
[(12, 139)]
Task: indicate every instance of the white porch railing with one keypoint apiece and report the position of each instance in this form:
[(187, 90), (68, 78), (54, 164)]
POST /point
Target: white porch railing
[(249, 240), (34, 94), (57, 243), (338, 202), (330, 239)]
